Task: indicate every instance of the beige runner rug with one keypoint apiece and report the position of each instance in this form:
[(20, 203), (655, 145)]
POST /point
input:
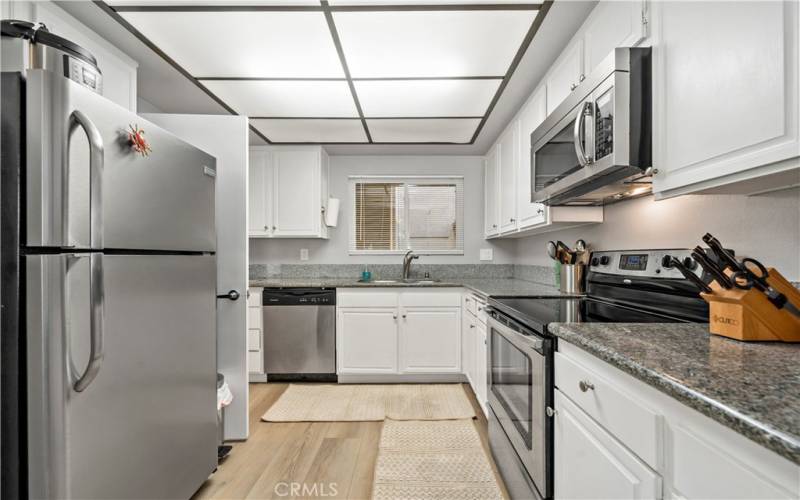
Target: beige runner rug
[(433, 460), (368, 402)]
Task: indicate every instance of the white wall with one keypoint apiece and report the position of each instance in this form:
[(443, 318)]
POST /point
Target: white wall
[(766, 227), (335, 250)]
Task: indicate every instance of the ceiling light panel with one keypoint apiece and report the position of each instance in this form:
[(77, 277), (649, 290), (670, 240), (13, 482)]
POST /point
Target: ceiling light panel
[(428, 2), (311, 130), (160, 3), (431, 43), (286, 98), (430, 130), (413, 98), (243, 44)]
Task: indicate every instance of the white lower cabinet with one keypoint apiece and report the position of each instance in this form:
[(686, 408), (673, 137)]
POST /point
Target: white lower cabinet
[(590, 463), (398, 332), (366, 340), (617, 437), (430, 339), (474, 347), (481, 382), (255, 355)]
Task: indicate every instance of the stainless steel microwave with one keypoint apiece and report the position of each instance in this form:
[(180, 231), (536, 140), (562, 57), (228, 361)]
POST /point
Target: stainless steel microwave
[(595, 147)]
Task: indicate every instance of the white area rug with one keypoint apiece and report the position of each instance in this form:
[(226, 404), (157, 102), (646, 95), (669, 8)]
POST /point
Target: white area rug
[(441, 460), (368, 402)]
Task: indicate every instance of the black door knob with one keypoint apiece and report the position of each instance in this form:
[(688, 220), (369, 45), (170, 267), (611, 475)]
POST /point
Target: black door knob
[(232, 295)]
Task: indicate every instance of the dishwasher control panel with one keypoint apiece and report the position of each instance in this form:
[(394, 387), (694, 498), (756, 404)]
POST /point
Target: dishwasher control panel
[(298, 297)]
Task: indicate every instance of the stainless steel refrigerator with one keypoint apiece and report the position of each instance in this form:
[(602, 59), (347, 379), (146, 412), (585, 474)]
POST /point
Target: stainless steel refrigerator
[(113, 281)]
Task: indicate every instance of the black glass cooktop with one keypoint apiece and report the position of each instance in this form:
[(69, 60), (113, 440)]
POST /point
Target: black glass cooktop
[(538, 311)]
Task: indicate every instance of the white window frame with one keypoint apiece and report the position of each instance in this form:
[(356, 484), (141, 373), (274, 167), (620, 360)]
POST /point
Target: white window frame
[(458, 180)]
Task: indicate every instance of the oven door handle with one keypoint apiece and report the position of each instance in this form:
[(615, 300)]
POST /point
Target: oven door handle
[(517, 339)]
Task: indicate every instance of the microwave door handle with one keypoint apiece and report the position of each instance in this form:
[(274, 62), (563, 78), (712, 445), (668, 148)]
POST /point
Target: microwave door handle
[(576, 136)]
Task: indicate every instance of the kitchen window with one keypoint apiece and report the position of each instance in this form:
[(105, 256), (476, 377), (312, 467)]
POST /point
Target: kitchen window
[(392, 215)]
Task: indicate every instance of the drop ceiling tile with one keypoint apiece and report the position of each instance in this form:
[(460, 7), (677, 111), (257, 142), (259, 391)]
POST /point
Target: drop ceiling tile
[(311, 130), (431, 43), (243, 44), (286, 98), (431, 130), (413, 98)]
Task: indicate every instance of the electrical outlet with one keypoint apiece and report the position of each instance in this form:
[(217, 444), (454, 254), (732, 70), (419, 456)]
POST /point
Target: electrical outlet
[(304, 254), (486, 254)]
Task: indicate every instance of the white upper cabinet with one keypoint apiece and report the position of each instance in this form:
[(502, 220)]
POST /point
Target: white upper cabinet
[(509, 161), (725, 87), (288, 191), (565, 75), (491, 186), (531, 116), (260, 193), (612, 24)]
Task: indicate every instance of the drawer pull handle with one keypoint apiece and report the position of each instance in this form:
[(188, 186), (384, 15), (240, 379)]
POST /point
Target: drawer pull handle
[(585, 386)]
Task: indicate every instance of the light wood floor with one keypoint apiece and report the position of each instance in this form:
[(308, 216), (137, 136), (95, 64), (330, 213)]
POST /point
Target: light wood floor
[(311, 453)]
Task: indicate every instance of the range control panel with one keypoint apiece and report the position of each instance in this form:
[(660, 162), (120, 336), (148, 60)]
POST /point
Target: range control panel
[(646, 263)]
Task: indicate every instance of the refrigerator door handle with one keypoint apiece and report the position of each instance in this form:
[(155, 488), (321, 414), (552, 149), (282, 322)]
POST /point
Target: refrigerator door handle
[(96, 158), (97, 321)]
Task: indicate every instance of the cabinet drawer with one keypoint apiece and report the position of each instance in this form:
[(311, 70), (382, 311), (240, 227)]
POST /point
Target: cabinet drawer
[(629, 420), (430, 298), (254, 317), (254, 300), (469, 304), (253, 340), (255, 362), (366, 298)]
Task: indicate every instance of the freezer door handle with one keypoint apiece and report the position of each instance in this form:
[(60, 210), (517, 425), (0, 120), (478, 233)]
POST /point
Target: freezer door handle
[(79, 119), (96, 333)]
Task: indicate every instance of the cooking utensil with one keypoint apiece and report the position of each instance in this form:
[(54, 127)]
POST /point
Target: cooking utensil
[(700, 256), (689, 275), (565, 255), (551, 250), (753, 274)]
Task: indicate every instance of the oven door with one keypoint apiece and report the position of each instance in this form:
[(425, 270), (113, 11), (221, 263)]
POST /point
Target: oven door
[(520, 389)]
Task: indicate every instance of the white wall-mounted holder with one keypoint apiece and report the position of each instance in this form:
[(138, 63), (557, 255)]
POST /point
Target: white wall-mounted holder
[(332, 212)]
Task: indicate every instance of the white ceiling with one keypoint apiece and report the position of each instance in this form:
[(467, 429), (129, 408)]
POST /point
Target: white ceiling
[(346, 60), (171, 86)]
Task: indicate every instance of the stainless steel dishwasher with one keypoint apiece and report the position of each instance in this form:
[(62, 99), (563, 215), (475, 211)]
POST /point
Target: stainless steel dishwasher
[(299, 333)]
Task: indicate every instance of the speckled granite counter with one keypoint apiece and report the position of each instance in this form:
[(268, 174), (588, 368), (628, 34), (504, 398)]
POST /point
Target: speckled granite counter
[(753, 388), (486, 287)]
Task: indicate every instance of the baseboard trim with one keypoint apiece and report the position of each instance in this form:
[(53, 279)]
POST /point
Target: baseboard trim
[(258, 377), (403, 378)]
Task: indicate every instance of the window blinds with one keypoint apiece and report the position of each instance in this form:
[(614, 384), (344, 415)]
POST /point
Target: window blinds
[(400, 214)]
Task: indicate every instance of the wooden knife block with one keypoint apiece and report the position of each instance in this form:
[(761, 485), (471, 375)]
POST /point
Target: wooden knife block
[(748, 315)]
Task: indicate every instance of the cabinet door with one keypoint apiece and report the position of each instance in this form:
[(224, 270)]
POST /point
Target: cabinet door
[(728, 110), (366, 340), (532, 115), (430, 339), (612, 24), (259, 193), (509, 149), (491, 211), (565, 75), (590, 463), (324, 189), (468, 345), (297, 190), (481, 365)]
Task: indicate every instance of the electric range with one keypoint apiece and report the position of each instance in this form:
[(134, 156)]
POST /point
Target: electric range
[(621, 287)]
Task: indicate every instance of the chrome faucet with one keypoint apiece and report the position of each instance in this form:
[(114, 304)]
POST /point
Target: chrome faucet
[(409, 256)]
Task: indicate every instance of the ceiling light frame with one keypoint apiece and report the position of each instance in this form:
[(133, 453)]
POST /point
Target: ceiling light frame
[(327, 10)]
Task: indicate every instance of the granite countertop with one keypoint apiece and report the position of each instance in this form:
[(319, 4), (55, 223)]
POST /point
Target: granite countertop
[(486, 287), (751, 387)]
